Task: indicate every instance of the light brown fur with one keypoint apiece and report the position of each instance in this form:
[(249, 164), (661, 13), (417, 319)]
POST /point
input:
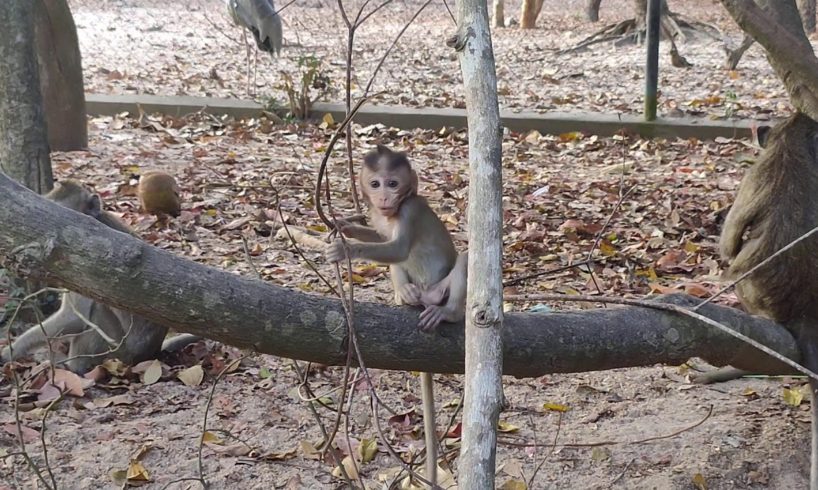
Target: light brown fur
[(159, 193), (776, 204)]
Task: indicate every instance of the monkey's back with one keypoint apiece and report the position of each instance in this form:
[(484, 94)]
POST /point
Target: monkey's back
[(777, 203), (432, 254)]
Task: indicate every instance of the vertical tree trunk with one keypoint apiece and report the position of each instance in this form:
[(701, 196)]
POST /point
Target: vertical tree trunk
[(23, 136), (537, 9), (484, 311), (640, 8), (592, 10), (499, 13), (528, 14), (807, 10), (60, 64)]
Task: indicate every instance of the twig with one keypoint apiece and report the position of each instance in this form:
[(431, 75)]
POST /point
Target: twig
[(622, 197), (249, 259), (88, 322), (517, 280), (392, 46), (217, 28), (317, 417), (322, 169), (613, 443), (625, 470), (18, 423), (111, 348), (43, 427), (285, 6), (298, 250), (542, 462)]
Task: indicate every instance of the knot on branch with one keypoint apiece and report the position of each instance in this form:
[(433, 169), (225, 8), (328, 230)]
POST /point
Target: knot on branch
[(459, 39), (27, 260), (486, 316)]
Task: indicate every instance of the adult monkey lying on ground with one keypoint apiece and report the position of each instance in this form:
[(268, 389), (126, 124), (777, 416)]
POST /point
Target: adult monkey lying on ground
[(130, 338), (776, 204), (423, 263)]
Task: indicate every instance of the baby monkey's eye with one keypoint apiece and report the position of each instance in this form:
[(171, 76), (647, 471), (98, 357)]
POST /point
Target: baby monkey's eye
[(392, 183), (374, 184)]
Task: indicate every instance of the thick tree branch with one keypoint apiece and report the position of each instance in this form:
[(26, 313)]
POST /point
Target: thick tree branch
[(39, 238)]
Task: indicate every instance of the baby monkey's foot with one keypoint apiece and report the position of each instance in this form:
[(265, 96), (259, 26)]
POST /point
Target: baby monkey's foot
[(410, 294)]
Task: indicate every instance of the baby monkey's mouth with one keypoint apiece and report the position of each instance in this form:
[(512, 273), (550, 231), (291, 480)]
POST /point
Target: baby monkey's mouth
[(387, 211)]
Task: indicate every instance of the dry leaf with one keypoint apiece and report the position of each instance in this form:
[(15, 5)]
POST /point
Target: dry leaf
[(192, 376), (513, 485), (349, 467), (555, 407), (699, 482), (152, 373), (506, 427), (137, 472), (793, 397), (367, 450), (211, 438)]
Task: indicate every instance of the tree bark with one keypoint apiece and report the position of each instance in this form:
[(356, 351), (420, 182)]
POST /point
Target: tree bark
[(499, 13), (640, 7), (24, 153), (528, 14), (807, 10), (60, 69), (592, 10), (733, 57), (776, 26), (484, 312), (41, 239)]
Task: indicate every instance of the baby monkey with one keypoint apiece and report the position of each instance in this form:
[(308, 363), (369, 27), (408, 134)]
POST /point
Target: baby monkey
[(423, 263), (406, 234), (134, 338)]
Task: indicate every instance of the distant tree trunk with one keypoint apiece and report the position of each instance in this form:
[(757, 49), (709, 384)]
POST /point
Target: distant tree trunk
[(734, 55), (23, 135), (641, 9), (592, 10), (807, 10), (60, 75), (529, 12), (499, 13)]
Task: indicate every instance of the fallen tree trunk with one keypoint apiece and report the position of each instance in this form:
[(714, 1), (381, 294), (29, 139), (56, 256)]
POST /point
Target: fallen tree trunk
[(41, 239)]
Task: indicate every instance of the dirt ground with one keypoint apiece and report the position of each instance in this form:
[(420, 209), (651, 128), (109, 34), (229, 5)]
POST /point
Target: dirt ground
[(559, 192)]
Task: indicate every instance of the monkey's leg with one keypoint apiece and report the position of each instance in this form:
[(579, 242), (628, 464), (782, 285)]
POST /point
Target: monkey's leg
[(179, 342), (720, 375), (427, 396), (455, 308), (64, 321), (406, 293)]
